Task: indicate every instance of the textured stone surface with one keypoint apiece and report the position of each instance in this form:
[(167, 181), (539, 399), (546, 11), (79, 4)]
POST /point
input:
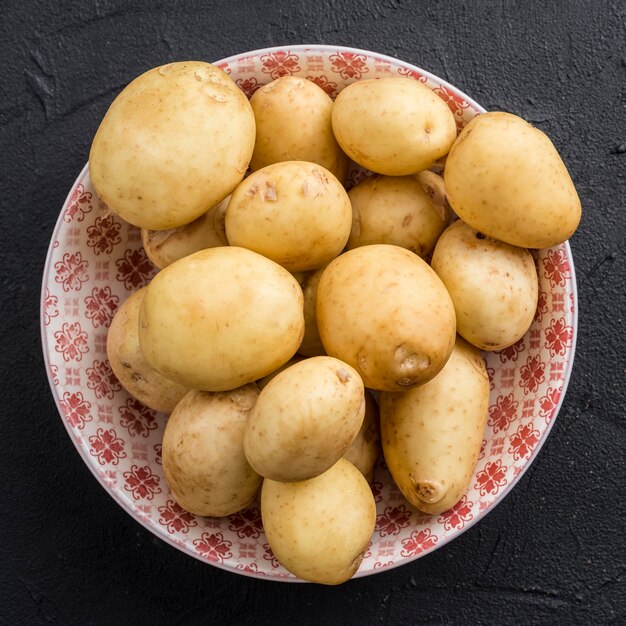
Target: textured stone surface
[(553, 551)]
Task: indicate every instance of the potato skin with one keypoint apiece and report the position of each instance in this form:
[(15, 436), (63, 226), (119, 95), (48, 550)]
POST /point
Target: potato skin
[(432, 434), (129, 365), (394, 126), (319, 529), (221, 318), (295, 213), (401, 340), (365, 450), (506, 179), (305, 419), (293, 123), (311, 343), (203, 459), (175, 142), (493, 285)]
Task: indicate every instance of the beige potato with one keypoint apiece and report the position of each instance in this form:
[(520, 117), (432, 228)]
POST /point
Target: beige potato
[(262, 382), (221, 318), (505, 179), (494, 286), (203, 459), (384, 311), (432, 434), (293, 123), (305, 419), (365, 449), (396, 210), (394, 126), (311, 343), (129, 365), (295, 213), (175, 142), (319, 529), (163, 247)]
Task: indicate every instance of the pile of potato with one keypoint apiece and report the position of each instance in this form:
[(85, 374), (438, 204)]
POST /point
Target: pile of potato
[(282, 298)]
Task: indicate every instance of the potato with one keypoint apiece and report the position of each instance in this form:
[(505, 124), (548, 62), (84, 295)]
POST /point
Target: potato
[(384, 311), (221, 318), (319, 529), (293, 123), (505, 179), (262, 382), (365, 449), (295, 213), (174, 143), (163, 247), (129, 365), (203, 459), (393, 126), (311, 343), (395, 210), (305, 419), (493, 286), (432, 434)]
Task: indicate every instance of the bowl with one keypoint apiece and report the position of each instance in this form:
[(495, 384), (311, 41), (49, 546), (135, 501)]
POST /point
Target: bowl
[(95, 261)]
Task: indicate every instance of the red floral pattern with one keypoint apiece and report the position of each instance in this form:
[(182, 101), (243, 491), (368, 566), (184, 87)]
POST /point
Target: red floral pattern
[(491, 374), (107, 446), (558, 337), (502, 413), (281, 63), (523, 441), (392, 520), (71, 342), (79, 204), (418, 541), (71, 271), (377, 491), (483, 450), (50, 307), (175, 518), (489, 480), (268, 555), (158, 449), (248, 85), (213, 547), (548, 403), (542, 306), (455, 103), (512, 352), (458, 515), (247, 523), (76, 409), (323, 83), (556, 267), (103, 235), (134, 269), (102, 380), (349, 65), (405, 71), (137, 418), (101, 306), (141, 482), (532, 374)]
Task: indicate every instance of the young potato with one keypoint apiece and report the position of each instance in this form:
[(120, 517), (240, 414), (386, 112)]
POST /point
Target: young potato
[(505, 179), (163, 247), (221, 318), (129, 365), (311, 343), (493, 286), (203, 459), (319, 529), (305, 419), (365, 449), (295, 213), (401, 340), (396, 210), (432, 434), (393, 126), (174, 143), (293, 123)]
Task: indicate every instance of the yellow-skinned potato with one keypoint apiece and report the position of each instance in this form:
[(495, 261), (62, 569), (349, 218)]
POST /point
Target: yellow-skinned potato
[(129, 365), (319, 529), (203, 459), (384, 311), (493, 286), (295, 213), (174, 143), (262, 382), (393, 126), (432, 434), (365, 449), (506, 179), (311, 343), (221, 318), (293, 123), (305, 419), (163, 247), (396, 210)]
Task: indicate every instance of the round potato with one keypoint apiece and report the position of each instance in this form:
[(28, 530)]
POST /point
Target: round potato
[(305, 419), (295, 213), (395, 210), (174, 143), (432, 434), (129, 365), (384, 311), (221, 318), (393, 126), (203, 459), (163, 247), (505, 179), (311, 343), (365, 449), (293, 123), (493, 286), (319, 529)]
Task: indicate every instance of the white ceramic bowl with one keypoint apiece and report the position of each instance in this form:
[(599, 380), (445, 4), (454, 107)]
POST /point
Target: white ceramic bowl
[(95, 260)]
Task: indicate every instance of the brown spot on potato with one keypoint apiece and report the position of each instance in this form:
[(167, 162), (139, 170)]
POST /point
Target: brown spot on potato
[(343, 375)]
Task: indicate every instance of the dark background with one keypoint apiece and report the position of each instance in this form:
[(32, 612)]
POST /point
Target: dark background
[(552, 552)]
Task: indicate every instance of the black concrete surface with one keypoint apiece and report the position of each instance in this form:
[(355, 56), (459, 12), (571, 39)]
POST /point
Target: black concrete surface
[(552, 552)]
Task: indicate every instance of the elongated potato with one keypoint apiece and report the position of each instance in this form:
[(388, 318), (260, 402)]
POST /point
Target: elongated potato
[(365, 450), (203, 459), (432, 434), (319, 529), (129, 365)]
